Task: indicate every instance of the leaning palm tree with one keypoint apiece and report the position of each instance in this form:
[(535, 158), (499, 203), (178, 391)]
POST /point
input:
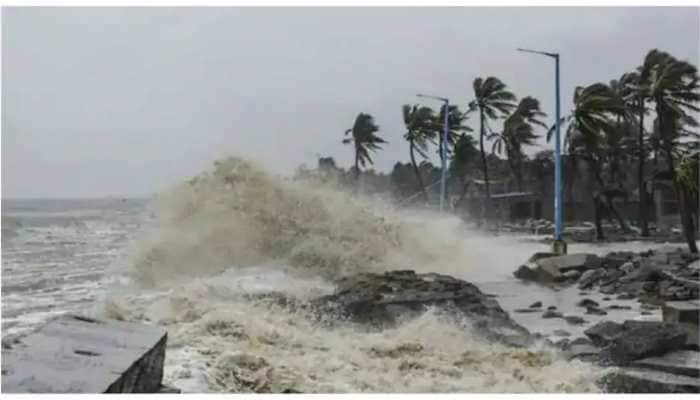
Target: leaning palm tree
[(465, 156), (455, 127), (365, 139), (589, 122), (492, 100), (419, 134), (519, 131), (675, 91)]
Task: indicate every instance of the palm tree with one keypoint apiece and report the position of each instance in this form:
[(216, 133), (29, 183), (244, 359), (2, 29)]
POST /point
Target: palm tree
[(674, 89), (465, 155), (589, 122), (365, 139), (455, 127), (419, 133), (493, 100), (519, 131)]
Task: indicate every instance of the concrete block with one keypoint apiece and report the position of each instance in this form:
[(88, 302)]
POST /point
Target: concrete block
[(635, 380), (683, 362), (676, 312), (74, 354)]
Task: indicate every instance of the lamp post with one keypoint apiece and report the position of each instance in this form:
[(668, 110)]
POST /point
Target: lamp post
[(443, 148), (559, 246)]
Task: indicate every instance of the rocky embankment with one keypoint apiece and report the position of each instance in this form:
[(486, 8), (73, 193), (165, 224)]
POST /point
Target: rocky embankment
[(654, 276), (652, 356), (585, 232)]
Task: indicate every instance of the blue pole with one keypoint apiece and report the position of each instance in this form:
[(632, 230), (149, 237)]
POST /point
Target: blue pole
[(557, 162), (444, 155)]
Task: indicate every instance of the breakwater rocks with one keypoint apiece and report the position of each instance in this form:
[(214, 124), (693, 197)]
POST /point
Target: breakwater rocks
[(654, 276), (650, 356), (381, 300)]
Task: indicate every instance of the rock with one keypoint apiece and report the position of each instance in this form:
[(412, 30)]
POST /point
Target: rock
[(618, 307), (625, 296), (574, 320), (595, 311), (556, 266), (561, 332), (640, 339), (552, 314), (552, 308), (581, 351), (526, 310), (645, 313), (572, 275), (616, 259), (75, 354), (590, 277), (165, 389), (384, 300), (603, 333), (627, 268), (537, 304), (581, 340), (526, 273), (606, 298), (609, 289), (587, 303)]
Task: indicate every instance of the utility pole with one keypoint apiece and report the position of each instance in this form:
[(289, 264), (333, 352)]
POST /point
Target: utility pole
[(559, 246)]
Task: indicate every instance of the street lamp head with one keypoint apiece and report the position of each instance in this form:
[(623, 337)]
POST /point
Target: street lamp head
[(555, 55), (432, 97)]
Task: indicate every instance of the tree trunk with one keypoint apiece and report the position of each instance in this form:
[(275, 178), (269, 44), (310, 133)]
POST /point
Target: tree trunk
[(597, 208), (687, 219), (683, 207), (608, 201), (640, 175), (417, 171), (487, 200)]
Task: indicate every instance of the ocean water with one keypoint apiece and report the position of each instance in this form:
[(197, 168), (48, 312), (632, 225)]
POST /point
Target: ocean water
[(203, 260)]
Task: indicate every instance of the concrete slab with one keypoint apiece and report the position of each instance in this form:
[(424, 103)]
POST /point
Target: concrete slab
[(635, 380), (678, 362), (74, 354), (681, 312)]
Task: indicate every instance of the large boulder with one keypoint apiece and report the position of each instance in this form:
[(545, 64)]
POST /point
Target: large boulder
[(382, 300), (640, 339), (603, 333), (545, 268)]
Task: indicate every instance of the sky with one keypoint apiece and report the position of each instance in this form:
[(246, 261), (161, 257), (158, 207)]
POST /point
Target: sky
[(129, 101)]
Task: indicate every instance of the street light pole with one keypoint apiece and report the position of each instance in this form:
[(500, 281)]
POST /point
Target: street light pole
[(443, 148), (559, 246)]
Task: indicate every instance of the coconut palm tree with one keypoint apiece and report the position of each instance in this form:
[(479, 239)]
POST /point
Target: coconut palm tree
[(419, 134), (519, 131), (675, 91), (363, 135), (493, 100), (589, 123), (455, 127), (465, 156)]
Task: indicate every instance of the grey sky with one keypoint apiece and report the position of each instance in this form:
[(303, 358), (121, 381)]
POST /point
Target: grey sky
[(102, 101)]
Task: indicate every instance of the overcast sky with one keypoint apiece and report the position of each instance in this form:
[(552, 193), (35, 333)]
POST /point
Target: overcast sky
[(119, 101)]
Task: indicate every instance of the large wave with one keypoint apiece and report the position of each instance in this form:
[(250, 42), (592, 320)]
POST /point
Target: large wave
[(237, 215)]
